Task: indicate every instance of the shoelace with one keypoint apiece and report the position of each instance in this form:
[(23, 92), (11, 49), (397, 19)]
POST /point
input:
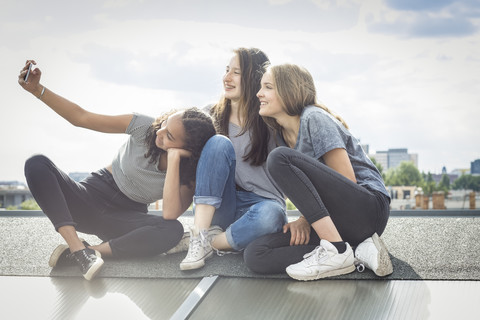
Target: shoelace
[(359, 265), (315, 255), (196, 243), (221, 253), (83, 262)]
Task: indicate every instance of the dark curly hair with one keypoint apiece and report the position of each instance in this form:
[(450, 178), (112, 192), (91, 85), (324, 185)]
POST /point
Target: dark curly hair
[(198, 129)]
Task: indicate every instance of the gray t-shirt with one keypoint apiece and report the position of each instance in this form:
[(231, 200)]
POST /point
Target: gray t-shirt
[(138, 179), (252, 178), (320, 132)]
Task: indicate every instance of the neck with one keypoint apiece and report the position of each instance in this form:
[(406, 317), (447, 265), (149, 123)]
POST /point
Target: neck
[(290, 127), (235, 117)]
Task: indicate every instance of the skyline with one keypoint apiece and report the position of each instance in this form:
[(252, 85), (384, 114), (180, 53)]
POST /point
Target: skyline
[(403, 74)]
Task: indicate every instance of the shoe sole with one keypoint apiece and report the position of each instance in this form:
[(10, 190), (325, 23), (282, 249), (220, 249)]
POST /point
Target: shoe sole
[(97, 266), (59, 250), (332, 273), (196, 264), (385, 266)]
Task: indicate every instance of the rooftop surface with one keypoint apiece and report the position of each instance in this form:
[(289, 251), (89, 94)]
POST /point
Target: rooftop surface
[(436, 259)]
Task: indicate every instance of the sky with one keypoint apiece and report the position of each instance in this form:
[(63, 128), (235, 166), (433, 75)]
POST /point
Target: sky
[(402, 73)]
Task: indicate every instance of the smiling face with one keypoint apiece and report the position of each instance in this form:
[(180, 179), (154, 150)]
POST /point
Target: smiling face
[(171, 133), (232, 80), (270, 103)]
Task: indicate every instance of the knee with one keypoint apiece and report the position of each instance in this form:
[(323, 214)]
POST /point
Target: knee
[(271, 220), (35, 164), (218, 144), (253, 256), (276, 159), (175, 228)]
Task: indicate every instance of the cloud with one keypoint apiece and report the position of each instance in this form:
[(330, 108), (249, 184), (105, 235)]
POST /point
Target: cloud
[(426, 19), (418, 5), (161, 71)]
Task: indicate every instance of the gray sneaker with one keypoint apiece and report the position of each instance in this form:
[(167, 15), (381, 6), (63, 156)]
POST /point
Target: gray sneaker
[(373, 254), (199, 249), (324, 261), (184, 243)]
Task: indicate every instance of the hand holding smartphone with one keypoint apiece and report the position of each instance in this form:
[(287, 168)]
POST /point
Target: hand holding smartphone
[(30, 66)]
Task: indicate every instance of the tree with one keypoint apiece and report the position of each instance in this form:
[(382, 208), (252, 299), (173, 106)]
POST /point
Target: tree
[(444, 184), (429, 185), (467, 181), (379, 167), (404, 175), (29, 204)]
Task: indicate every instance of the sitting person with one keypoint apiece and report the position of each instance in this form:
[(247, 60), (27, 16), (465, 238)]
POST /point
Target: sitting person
[(159, 160), (326, 174)]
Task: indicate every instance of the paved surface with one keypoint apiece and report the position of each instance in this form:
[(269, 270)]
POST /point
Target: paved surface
[(420, 248)]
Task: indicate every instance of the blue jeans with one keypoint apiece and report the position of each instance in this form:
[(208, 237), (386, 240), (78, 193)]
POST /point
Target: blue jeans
[(243, 215)]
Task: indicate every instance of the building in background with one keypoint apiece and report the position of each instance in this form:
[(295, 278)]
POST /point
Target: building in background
[(475, 167), (392, 158), (13, 193)]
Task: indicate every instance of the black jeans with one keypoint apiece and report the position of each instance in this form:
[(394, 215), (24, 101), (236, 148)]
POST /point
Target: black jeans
[(317, 191), (96, 206)]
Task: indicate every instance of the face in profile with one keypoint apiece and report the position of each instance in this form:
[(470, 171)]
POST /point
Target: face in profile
[(171, 133), (232, 79), (270, 104)]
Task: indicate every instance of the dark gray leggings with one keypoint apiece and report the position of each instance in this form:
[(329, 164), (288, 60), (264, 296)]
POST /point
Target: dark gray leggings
[(317, 191), (96, 206)]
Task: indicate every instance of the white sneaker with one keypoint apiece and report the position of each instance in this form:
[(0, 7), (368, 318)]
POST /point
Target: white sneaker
[(324, 261), (185, 241), (199, 249), (373, 254)]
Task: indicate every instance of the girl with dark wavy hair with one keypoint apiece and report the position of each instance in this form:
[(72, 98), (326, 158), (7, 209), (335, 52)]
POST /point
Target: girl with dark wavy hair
[(236, 201), (158, 161)]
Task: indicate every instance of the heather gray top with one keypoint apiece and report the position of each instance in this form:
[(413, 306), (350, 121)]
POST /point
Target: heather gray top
[(138, 179), (252, 178), (320, 133)]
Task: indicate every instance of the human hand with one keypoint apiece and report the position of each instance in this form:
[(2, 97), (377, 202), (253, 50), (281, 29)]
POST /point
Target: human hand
[(177, 153), (32, 84), (300, 230)]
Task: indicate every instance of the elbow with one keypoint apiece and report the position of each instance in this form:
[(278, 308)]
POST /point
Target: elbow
[(170, 215)]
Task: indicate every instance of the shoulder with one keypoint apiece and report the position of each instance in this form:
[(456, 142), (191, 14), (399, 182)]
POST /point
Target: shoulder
[(139, 121)]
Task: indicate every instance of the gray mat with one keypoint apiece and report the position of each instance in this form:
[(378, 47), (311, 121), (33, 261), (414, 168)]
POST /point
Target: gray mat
[(420, 248)]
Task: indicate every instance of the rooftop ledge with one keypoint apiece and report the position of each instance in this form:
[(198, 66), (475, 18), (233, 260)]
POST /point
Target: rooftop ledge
[(295, 213)]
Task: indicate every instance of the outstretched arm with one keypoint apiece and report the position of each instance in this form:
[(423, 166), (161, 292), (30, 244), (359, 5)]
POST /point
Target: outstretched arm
[(70, 111)]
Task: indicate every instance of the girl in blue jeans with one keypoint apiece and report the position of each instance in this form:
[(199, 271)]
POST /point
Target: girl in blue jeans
[(233, 188)]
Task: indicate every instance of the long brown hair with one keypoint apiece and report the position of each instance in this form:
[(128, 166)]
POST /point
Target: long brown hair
[(198, 129), (252, 64), (295, 89)]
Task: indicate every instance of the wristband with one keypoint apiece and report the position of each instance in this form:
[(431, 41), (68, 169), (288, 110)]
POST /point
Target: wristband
[(41, 94)]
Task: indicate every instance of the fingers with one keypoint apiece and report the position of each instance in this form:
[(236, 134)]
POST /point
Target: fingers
[(298, 237)]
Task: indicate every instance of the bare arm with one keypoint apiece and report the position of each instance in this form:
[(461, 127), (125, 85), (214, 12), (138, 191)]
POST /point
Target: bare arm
[(70, 111), (176, 197), (338, 160)]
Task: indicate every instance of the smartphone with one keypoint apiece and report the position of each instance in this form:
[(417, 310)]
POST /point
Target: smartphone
[(30, 66)]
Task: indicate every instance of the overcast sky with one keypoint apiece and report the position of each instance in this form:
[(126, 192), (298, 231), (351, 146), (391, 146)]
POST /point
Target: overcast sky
[(402, 73)]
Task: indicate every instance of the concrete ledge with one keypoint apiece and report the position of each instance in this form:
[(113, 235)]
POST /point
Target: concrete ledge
[(291, 213)]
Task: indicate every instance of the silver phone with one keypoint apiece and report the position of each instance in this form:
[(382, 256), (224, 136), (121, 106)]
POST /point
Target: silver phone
[(28, 71)]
